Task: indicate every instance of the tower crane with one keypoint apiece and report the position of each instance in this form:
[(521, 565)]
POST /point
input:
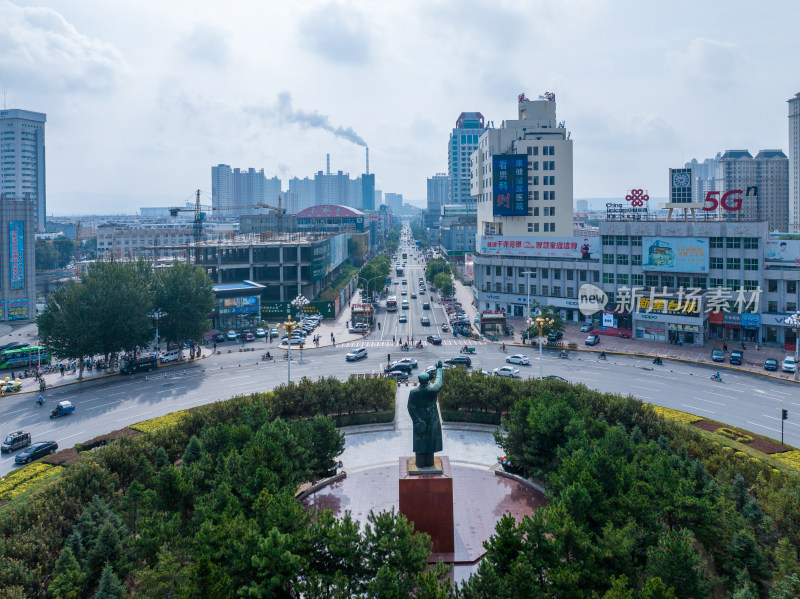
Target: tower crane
[(197, 224)]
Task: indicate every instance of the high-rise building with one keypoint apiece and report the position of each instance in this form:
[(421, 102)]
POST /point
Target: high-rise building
[(22, 153), (17, 258), (394, 201), (704, 177), (763, 183), (794, 163), (378, 197), (522, 174), (237, 191), (438, 196), (463, 142), (368, 192), (302, 194), (582, 206)]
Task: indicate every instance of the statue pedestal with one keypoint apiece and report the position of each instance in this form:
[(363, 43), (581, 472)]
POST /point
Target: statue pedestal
[(426, 499)]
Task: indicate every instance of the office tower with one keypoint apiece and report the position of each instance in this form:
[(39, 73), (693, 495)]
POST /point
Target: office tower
[(582, 206), (463, 142), (368, 192), (22, 153), (794, 163), (222, 189), (394, 201), (302, 194), (378, 197), (438, 196), (764, 185), (522, 173)]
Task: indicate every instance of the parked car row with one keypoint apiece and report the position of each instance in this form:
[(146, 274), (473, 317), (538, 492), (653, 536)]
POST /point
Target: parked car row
[(30, 451)]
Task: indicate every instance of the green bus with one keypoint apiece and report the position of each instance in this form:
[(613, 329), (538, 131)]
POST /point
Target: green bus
[(22, 358)]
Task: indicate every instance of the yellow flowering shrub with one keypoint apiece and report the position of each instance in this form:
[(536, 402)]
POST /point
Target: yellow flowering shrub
[(790, 458), (156, 424), (26, 478), (676, 415)]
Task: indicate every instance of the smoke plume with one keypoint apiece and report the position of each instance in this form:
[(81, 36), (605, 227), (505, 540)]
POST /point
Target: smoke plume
[(313, 120)]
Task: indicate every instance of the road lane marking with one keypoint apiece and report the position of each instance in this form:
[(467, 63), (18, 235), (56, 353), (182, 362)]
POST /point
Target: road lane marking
[(686, 405), (716, 403), (69, 436), (104, 405), (775, 430)]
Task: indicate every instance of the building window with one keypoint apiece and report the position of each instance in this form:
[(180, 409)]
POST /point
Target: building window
[(651, 280), (733, 284), (714, 283), (557, 274), (608, 258), (791, 287), (683, 282), (488, 271), (733, 243), (622, 279), (751, 243), (772, 286), (715, 263), (536, 211), (622, 259), (636, 259), (570, 275), (582, 276), (530, 227), (570, 292), (544, 289), (734, 264), (699, 282), (715, 243), (535, 196), (608, 240), (509, 288), (535, 227), (751, 263), (791, 306), (622, 240), (536, 180), (608, 277), (497, 287), (637, 280), (545, 273), (750, 285), (668, 281), (498, 271), (772, 306), (509, 271), (636, 240), (521, 288), (533, 289), (556, 291), (536, 165)]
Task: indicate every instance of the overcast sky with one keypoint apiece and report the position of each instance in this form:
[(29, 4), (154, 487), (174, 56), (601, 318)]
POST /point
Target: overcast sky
[(143, 97)]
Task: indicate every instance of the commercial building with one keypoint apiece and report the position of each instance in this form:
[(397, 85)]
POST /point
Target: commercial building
[(794, 163), (238, 306), (704, 177), (328, 218), (150, 242), (456, 231), (23, 160), (17, 259), (438, 196), (463, 142), (394, 201)]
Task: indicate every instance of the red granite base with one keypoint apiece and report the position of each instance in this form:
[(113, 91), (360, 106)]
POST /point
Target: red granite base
[(427, 501)]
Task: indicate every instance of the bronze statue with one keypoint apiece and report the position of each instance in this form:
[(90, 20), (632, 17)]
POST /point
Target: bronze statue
[(425, 416)]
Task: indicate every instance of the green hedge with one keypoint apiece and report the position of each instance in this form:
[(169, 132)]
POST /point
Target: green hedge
[(468, 416), (381, 417)]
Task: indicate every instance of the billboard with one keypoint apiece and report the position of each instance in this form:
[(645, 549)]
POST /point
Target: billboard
[(675, 254), (510, 184), (17, 255), (338, 251), (17, 309), (320, 259), (541, 247), (778, 250)]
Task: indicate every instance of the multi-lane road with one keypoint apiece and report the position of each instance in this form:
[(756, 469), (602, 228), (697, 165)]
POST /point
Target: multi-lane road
[(749, 401)]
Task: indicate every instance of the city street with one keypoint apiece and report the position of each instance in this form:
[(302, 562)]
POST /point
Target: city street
[(743, 400)]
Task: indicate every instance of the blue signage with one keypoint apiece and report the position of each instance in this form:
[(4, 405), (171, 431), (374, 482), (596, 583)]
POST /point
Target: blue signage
[(17, 255), (751, 321), (510, 184)]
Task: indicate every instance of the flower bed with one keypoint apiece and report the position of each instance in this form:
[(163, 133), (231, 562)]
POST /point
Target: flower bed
[(676, 415), (162, 422), (23, 479), (790, 458), (734, 435)]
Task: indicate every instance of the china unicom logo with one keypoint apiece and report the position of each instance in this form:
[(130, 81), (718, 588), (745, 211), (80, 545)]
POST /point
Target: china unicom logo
[(591, 299)]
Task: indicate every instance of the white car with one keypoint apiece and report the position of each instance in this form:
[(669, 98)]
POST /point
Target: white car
[(509, 371), (356, 354), (518, 359), (789, 365), (295, 341)]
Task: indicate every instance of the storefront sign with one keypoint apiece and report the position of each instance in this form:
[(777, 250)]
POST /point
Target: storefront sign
[(675, 254), (751, 321), (17, 309), (667, 306), (732, 320), (608, 319), (510, 184), (17, 256), (576, 248)]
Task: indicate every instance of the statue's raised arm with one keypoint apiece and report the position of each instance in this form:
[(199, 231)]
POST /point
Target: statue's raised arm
[(436, 385)]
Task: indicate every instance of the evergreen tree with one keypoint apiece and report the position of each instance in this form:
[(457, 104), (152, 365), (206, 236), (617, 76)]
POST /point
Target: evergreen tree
[(162, 459), (110, 586), (193, 452), (678, 564), (107, 550), (68, 578)]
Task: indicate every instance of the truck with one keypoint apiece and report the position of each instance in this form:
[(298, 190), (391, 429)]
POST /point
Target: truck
[(62, 409), (133, 364)]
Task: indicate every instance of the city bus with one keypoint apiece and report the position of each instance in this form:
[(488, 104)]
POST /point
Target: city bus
[(391, 304), (22, 358), (399, 271)]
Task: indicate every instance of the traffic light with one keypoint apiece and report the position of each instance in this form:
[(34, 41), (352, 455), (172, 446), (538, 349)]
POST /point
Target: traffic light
[(785, 414)]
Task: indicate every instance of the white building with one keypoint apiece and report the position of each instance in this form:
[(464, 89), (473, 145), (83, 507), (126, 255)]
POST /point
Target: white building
[(539, 198), (23, 162), (463, 142), (236, 191), (438, 196), (704, 177), (394, 201), (794, 164)]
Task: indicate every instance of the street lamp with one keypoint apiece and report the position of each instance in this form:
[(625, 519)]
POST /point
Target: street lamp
[(157, 314), (540, 322), (528, 273), (300, 302), (794, 322)]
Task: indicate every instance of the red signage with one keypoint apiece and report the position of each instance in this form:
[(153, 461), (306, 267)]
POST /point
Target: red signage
[(730, 200)]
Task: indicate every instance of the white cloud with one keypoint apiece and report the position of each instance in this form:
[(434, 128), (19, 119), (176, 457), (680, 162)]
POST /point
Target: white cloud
[(206, 44), (336, 34), (41, 54), (710, 64)]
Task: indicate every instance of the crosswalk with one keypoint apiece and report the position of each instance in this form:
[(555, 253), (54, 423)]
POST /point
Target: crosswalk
[(388, 343)]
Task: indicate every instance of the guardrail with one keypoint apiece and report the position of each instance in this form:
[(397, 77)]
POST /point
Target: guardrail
[(171, 373)]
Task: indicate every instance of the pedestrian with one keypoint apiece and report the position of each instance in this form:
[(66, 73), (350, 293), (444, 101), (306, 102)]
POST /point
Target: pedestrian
[(331, 335), (743, 347), (388, 358), (724, 348), (215, 345), (333, 339), (379, 326), (61, 368)]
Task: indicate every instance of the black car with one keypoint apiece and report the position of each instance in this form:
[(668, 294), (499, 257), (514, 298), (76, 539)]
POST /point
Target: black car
[(219, 337), (556, 336), (400, 367), (770, 364), (434, 339), (736, 357), (36, 451), (459, 360)]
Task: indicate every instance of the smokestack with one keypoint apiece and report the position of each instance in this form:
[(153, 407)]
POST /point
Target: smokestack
[(368, 161), (329, 164)]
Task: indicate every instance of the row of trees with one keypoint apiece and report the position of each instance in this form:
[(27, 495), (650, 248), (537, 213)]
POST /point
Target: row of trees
[(438, 272), (640, 507), (373, 275), (110, 310), (55, 254)]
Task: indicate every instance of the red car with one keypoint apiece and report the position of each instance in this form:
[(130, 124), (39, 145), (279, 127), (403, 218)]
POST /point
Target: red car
[(250, 337)]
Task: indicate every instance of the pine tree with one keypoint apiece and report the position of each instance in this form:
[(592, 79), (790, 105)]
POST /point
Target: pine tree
[(162, 459), (107, 549), (67, 576), (194, 450), (110, 586)]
